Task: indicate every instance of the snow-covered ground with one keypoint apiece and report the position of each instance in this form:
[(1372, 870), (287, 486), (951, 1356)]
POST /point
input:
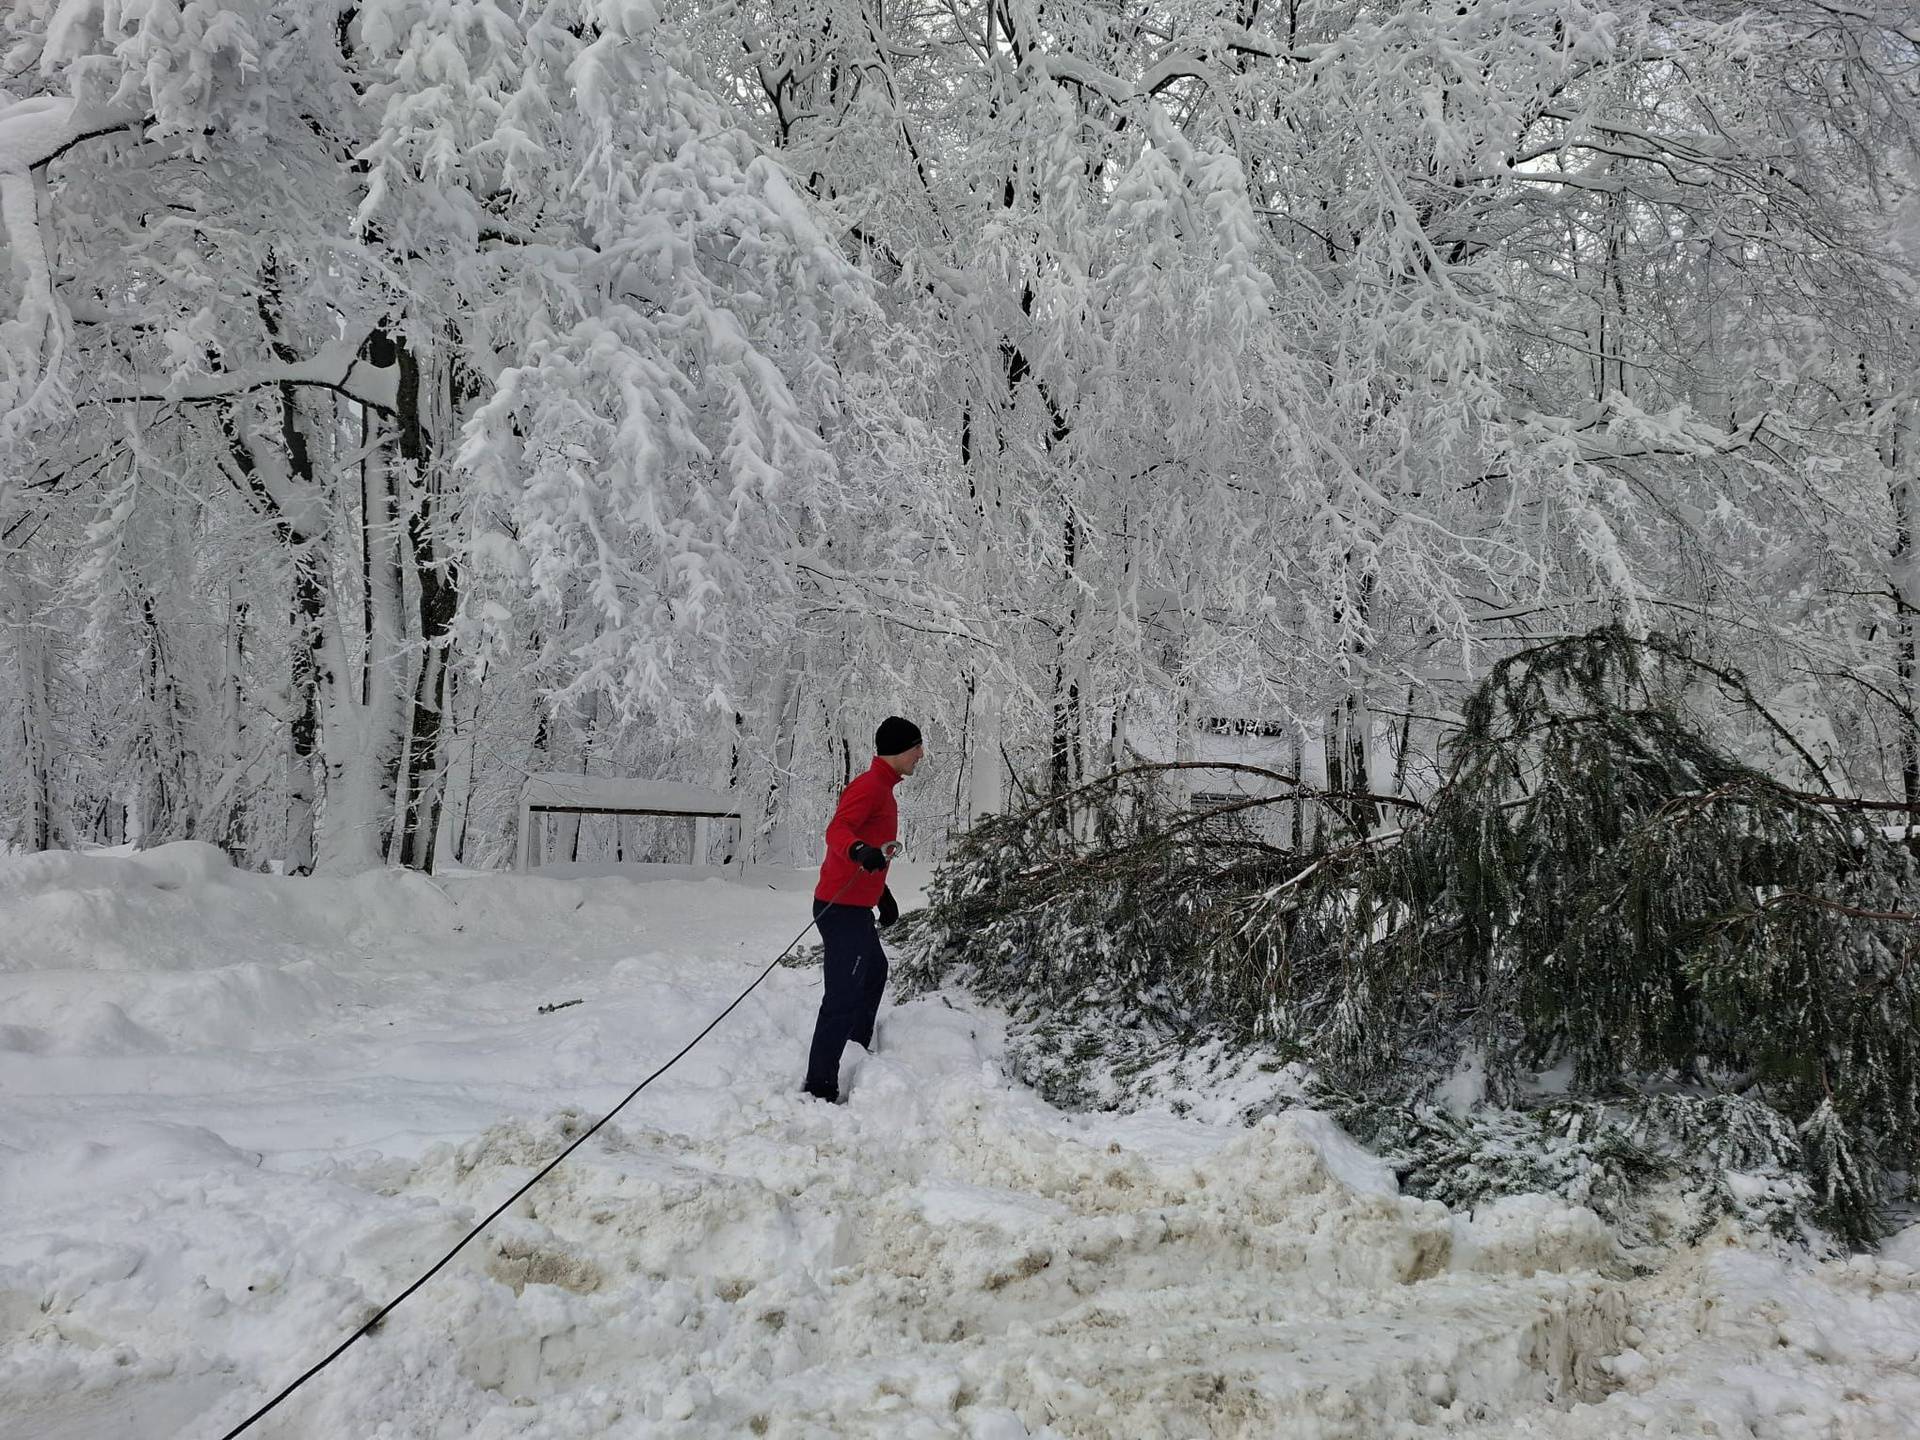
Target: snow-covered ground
[(241, 1112)]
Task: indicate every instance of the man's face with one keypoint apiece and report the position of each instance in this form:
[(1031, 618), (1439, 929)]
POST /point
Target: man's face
[(904, 762)]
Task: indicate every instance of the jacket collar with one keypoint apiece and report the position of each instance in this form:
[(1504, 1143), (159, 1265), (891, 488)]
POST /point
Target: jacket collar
[(885, 771)]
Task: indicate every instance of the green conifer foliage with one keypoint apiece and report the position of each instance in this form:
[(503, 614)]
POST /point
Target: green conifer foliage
[(1110, 895), (1716, 959), (1598, 883)]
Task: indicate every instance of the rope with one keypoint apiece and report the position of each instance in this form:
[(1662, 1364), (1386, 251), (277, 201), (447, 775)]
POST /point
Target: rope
[(501, 1209)]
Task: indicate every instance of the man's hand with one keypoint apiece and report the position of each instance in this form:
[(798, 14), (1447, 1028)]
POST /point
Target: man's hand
[(889, 908), (867, 857)]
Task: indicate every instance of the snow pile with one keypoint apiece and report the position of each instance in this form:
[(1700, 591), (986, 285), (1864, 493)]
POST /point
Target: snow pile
[(191, 1219), (1731, 1341)]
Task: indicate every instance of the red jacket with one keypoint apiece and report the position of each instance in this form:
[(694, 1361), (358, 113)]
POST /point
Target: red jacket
[(866, 813)]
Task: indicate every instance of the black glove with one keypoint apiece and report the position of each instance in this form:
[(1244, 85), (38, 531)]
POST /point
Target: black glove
[(867, 857), (889, 908)]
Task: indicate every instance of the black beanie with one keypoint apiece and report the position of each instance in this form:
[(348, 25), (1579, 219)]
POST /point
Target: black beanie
[(895, 736)]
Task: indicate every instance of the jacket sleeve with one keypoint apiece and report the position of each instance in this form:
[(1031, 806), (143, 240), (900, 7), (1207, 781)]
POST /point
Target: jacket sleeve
[(854, 810)]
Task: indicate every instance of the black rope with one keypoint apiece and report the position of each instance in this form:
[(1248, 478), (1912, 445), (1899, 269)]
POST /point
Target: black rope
[(499, 1210)]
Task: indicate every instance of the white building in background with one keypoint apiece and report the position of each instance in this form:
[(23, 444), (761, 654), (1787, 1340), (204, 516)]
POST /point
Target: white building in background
[(1268, 756)]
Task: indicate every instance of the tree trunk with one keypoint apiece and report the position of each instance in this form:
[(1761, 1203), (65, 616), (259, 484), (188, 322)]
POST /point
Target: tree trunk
[(347, 729), (1347, 763), (438, 598), (359, 758), (774, 843), (1897, 454), (425, 790), (1297, 753), (1349, 729), (284, 488), (1063, 753), (457, 744), (359, 723), (40, 831), (167, 788), (1404, 748), (231, 821), (303, 735), (962, 771)]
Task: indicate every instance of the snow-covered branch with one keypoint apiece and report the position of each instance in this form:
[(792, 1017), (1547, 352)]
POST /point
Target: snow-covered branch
[(338, 366), (41, 128), (33, 132)]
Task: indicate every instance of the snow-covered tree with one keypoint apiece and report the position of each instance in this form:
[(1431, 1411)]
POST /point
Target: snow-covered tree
[(606, 382)]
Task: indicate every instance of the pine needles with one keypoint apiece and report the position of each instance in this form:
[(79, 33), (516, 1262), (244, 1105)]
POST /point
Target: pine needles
[(1719, 964)]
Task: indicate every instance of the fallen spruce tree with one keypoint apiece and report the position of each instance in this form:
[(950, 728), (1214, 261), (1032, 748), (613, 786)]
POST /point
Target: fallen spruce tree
[(1683, 989)]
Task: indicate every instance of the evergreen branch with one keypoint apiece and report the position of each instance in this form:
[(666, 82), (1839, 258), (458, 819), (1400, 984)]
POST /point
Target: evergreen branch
[(1786, 898), (1756, 789), (1664, 647), (1300, 789), (1329, 859), (1855, 802), (1736, 682)]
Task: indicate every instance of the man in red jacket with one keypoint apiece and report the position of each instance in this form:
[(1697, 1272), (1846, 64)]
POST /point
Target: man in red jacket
[(853, 879)]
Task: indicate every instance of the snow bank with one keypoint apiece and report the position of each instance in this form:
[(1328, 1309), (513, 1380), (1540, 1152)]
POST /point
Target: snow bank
[(247, 960), (183, 907)]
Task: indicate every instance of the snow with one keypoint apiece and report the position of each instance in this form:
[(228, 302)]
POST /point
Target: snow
[(1467, 1086), (242, 1111)]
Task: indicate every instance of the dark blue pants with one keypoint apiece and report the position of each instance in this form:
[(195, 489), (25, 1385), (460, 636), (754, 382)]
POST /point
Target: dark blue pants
[(856, 976)]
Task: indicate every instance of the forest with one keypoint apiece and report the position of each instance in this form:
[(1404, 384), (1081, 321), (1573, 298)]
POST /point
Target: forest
[(402, 397)]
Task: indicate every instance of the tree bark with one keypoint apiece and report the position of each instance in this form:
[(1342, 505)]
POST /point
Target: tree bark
[(1897, 454), (360, 722), (774, 843), (436, 585), (41, 831), (303, 734)]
